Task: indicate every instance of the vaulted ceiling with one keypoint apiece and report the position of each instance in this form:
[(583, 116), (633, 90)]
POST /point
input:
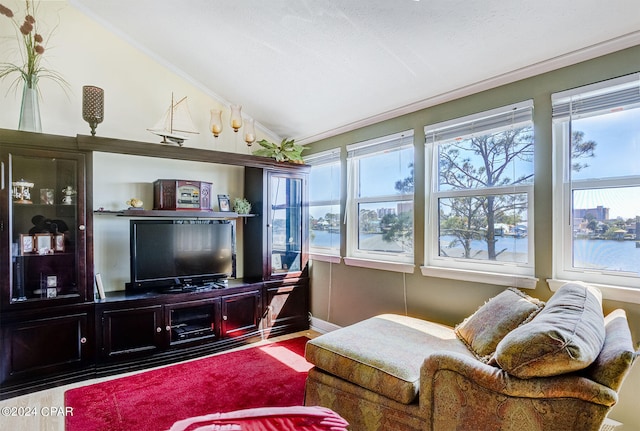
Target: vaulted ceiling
[(308, 69)]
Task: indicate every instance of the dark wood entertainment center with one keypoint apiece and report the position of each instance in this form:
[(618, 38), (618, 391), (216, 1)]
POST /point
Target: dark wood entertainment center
[(54, 332)]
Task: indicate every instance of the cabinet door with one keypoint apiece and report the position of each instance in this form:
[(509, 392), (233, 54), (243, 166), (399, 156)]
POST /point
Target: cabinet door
[(44, 347), (287, 225), (193, 322), (287, 307), (132, 332), (241, 314), (44, 238)]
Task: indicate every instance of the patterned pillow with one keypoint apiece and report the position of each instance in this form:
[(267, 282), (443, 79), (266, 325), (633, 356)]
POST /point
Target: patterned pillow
[(483, 330), (566, 336)]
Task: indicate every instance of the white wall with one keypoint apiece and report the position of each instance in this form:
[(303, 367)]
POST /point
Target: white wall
[(137, 88)]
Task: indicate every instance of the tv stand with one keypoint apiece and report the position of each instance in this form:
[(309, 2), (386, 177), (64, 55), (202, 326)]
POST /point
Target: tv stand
[(144, 329)]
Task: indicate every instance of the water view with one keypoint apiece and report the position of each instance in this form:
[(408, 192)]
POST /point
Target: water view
[(611, 255)]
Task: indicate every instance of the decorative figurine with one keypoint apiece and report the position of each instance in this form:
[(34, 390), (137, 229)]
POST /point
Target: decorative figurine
[(68, 193), (134, 203), (21, 192)]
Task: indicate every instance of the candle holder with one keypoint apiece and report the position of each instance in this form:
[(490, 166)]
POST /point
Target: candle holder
[(249, 132), (92, 106), (236, 117), (216, 122)]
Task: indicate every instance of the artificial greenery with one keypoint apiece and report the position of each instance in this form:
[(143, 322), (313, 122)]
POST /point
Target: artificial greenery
[(286, 151), (241, 206)]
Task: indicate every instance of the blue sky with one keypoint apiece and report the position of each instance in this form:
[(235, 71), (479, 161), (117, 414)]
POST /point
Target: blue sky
[(617, 154)]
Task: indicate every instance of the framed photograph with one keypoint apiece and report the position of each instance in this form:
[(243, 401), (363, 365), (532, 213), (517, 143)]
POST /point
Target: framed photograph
[(224, 203), (58, 242), (43, 243), (26, 244), (47, 196)]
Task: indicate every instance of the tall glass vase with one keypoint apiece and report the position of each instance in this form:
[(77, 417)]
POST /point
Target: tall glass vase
[(30, 109)]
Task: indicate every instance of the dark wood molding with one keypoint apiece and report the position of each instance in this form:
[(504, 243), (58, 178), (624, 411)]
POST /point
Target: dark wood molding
[(119, 146), (136, 148)]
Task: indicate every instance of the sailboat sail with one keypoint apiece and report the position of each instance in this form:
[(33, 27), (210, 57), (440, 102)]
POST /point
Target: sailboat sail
[(176, 124)]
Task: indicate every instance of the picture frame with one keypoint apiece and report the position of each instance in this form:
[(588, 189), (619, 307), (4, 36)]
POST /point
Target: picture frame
[(58, 242), (43, 243), (224, 203), (26, 244), (47, 196)]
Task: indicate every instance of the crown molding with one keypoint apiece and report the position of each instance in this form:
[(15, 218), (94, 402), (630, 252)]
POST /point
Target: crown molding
[(569, 59)]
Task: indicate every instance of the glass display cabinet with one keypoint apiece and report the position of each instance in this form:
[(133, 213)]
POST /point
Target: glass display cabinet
[(44, 194), (278, 237), (285, 224)]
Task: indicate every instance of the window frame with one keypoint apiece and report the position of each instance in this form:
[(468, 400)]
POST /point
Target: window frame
[(322, 159), (402, 262), (496, 272), (614, 285)]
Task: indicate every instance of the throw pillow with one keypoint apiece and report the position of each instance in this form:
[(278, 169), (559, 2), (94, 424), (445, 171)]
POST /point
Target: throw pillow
[(566, 336), (617, 354), (483, 330)]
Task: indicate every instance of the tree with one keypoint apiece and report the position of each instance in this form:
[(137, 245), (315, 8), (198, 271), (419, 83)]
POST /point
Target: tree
[(368, 221), (398, 228), (581, 149), (477, 163)]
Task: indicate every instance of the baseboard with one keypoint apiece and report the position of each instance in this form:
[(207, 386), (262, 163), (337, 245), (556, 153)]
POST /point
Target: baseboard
[(322, 326)]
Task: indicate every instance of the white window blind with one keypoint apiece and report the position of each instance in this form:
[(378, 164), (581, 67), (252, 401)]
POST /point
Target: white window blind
[(461, 128), (619, 93)]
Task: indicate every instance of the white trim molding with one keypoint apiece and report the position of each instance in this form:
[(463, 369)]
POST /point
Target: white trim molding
[(519, 281), (322, 326), (407, 268), (575, 57)]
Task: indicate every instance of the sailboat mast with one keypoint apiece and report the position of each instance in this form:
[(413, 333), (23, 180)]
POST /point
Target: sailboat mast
[(171, 113)]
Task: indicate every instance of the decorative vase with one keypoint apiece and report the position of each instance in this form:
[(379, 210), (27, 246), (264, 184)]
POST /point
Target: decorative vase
[(30, 109)]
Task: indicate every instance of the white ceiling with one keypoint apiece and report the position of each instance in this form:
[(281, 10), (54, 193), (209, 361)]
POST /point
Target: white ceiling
[(308, 69)]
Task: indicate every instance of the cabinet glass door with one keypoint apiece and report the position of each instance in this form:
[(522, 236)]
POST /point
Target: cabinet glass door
[(45, 233), (286, 224)]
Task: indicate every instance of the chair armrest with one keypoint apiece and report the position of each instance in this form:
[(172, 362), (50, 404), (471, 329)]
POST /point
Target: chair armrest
[(496, 380)]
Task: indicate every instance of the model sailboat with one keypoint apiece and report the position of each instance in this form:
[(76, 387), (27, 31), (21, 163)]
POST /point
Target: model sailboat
[(176, 124)]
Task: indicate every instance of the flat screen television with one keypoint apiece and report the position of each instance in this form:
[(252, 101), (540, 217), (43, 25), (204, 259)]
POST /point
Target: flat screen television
[(174, 253)]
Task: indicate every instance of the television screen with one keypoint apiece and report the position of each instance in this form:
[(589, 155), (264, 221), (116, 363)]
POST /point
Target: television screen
[(172, 253)]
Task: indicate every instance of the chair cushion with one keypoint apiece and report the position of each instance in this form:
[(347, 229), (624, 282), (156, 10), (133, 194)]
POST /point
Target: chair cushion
[(383, 354), (483, 330), (567, 335)]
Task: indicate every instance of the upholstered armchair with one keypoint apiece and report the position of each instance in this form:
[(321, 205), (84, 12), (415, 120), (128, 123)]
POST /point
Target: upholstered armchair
[(554, 367)]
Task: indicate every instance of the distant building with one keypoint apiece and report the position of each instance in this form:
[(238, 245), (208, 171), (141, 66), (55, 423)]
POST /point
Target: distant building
[(599, 213)]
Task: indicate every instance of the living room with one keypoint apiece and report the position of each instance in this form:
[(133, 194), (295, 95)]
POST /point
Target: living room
[(138, 88)]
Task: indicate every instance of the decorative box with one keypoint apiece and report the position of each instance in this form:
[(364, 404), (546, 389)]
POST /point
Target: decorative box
[(181, 195)]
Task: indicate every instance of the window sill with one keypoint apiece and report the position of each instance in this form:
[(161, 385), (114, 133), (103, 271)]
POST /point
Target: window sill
[(519, 281), (325, 257), (380, 264), (615, 293)]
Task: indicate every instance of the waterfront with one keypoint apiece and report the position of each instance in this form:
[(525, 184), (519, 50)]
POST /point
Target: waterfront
[(610, 255)]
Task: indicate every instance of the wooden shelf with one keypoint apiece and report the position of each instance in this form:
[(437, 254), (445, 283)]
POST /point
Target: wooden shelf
[(171, 213)]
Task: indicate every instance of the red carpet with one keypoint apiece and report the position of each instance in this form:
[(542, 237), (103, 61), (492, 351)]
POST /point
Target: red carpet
[(264, 376)]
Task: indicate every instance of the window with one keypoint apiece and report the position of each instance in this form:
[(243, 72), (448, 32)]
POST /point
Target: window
[(597, 187), (324, 202), (380, 199), (480, 197)]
